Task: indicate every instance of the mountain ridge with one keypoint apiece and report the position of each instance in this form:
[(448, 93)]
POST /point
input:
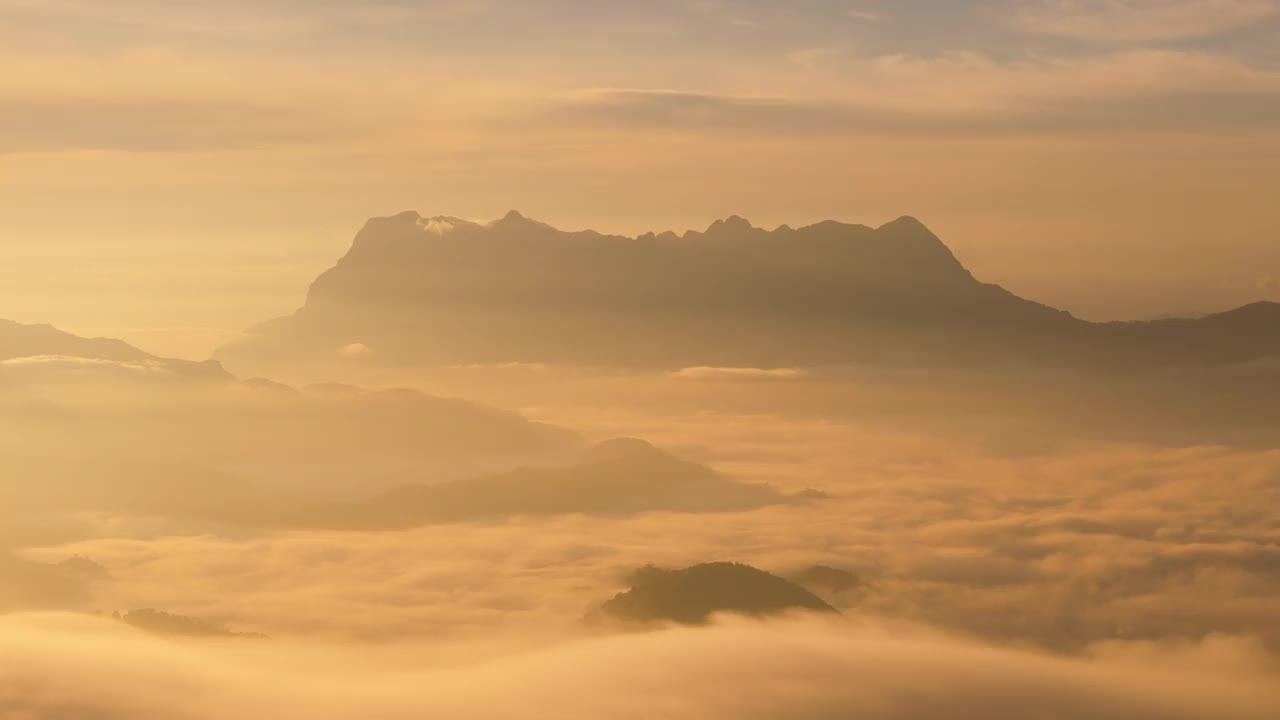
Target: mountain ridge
[(44, 344), (616, 478), (428, 290)]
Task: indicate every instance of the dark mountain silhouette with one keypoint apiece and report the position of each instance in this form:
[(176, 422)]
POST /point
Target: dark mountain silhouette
[(622, 476), (46, 347), (1246, 334), (251, 453), (442, 290), (692, 595)]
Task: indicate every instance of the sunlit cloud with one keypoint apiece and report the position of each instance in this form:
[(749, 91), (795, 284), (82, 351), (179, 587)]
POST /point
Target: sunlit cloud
[(134, 124), (266, 20), (966, 93), (63, 362), (868, 16), (737, 670), (735, 373), (1120, 21)]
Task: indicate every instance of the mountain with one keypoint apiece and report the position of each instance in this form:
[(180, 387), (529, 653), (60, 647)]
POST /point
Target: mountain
[(693, 595), (93, 424), (1246, 334), (441, 290), (248, 453), (619, 477), (317, 421), (46, 349)]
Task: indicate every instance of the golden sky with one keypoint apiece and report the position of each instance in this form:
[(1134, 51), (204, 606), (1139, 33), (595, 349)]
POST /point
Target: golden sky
[(172, 172)]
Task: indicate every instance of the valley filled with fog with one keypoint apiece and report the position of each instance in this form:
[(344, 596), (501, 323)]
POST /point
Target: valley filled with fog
[(866, 539)]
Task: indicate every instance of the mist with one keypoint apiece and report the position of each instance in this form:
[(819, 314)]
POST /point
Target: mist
[(795, 668)]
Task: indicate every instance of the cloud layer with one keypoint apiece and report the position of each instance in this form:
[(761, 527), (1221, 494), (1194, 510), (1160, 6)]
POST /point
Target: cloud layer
[(1137, 581), (733, 373), (1059, 546), (1120, 21), (66, 666)]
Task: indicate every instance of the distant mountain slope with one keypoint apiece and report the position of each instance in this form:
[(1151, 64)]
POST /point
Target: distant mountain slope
[(18, 340), (395, 422), (99, 425), (44, 348), (692, 595), (415, 290), (250, 452), (1246, 334), (409, 423), (619, 477)]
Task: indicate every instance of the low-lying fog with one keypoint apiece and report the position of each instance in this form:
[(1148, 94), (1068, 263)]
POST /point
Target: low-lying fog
[(1005, 563)]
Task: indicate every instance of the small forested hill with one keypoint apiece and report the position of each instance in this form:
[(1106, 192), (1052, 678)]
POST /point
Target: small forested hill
[(692, 595)]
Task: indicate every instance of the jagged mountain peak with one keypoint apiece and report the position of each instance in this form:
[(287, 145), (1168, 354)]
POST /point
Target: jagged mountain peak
[(731, 224), (441, 289), (906, 222)]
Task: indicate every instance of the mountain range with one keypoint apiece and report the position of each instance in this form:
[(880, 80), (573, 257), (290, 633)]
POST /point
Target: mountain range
[(622, 476), (441, 290), (96, 424), (35, 347)]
